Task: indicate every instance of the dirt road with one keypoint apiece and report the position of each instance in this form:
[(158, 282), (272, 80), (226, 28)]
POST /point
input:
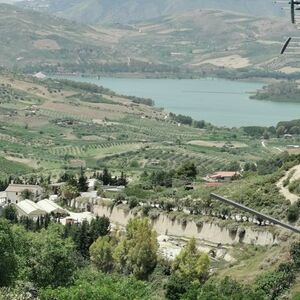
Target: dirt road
[(284, 189)]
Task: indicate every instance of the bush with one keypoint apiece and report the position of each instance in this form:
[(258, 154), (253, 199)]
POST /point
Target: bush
[(154, 214), (293, 213), (133, 202)]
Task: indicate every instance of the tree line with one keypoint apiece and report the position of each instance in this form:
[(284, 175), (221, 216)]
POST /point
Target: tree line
[(91, 261)]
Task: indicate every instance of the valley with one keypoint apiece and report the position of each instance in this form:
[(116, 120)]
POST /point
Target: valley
[(187, 45), (220, 102), (120, 122)]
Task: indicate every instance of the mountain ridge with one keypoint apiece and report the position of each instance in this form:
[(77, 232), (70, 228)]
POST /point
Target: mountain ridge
[(184, 43), (125, 11)]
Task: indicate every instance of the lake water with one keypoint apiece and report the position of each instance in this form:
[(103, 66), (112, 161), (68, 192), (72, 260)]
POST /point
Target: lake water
[(221, 102)]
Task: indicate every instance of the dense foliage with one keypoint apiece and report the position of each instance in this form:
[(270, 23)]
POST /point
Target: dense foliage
[(49, 264), (283, 91)]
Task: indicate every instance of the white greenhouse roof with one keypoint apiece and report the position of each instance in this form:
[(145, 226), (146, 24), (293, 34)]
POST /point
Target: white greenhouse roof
[(29, 208), (50, 207), (92, 194)]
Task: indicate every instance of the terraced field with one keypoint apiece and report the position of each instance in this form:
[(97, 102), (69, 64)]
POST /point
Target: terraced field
[(35, 131)]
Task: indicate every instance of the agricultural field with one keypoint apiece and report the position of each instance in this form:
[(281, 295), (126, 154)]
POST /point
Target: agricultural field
[(53, 125)]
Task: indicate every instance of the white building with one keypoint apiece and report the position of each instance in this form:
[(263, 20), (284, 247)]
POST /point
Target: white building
[(92, 183), (14, 192), (28, 208), (39, 75), (51, 207), (3, 198)]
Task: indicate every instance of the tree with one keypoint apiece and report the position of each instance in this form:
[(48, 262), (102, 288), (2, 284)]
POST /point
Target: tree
[(68, 178), (10, 214), (188, 169), (92, 285), (69, 192), (106, 177), (249, 166), (161, 178), (82, 182), (100, 226), (8, 260), (137, 252), (176, 286), (225, 289), (27, 194), (295, 254), (280, 131), (294, 130), (101, 253), (122, 180), (293, 213), (233, 166), (266, 135), (22, 239), (273, 284), (191, 263), (52, 259), (199, 124), (84, 239)]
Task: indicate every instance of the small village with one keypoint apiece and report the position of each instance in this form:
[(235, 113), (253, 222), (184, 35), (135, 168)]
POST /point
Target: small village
[(30, 202)]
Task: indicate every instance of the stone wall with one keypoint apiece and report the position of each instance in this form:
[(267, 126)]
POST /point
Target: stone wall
[(206, 231)]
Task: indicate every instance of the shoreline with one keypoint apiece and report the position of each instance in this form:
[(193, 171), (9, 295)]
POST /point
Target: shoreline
[(249, 94), (259, 80)]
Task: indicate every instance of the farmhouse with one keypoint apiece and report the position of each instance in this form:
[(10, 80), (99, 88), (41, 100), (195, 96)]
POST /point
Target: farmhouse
[(14, 192), (222, 176)]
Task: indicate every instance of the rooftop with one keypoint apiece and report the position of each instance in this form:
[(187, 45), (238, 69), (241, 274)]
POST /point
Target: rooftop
[(21, 187), (29, 208), (50, 207), (223, 174)]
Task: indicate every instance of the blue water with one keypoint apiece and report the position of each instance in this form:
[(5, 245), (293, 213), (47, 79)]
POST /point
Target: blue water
[(221, 102)]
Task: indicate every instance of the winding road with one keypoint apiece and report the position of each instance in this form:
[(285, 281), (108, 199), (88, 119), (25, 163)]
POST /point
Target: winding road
[(284, 190)]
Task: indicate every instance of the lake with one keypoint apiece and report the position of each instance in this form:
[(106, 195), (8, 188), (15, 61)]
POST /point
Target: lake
[(220, 102)]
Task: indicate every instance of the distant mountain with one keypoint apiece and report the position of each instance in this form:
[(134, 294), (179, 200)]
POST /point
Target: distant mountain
[(184, 42), (31, 39), (124, 11), (9, 1)]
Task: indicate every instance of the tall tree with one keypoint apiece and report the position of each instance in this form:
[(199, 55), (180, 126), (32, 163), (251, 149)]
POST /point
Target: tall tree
[(8, 260), (106, 177), (82, 182), (27, 194), (52, 259), (101, 253), (137, 252), (69, 192), (100, 226), (10, 214), (192, 263)]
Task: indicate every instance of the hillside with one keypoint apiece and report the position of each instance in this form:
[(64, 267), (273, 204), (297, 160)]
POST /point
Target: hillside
[(34, 39), (185, 44), (56, 127), (201, 39), (120, 11)]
